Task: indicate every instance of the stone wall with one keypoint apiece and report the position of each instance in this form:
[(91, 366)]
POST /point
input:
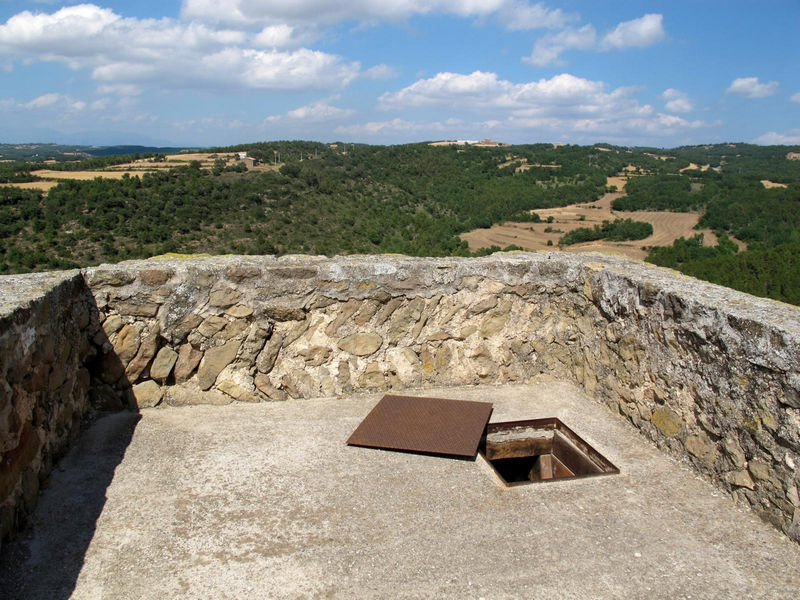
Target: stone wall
[(707, 373), (44, 320)]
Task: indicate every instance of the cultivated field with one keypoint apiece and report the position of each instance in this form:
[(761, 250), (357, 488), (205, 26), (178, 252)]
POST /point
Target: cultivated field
[(667, 227), (51, 178)]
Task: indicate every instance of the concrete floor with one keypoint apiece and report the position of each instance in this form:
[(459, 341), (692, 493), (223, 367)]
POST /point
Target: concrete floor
[(267, 501)]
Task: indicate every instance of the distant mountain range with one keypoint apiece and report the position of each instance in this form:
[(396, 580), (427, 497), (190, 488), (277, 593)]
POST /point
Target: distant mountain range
[(61, 152)]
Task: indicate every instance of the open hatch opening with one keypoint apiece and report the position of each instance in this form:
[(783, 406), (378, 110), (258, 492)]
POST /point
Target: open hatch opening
[(540, 450)]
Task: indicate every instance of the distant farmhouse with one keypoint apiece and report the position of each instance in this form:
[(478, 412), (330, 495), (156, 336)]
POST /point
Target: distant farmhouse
[(482, 143)]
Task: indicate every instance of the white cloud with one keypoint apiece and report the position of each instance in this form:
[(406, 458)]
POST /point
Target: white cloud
[(519, 16), (166, 53), (795, 97), (393, 126), (316, 112), (513, 14), (750, 87), (380, 71), (677, 101), (326, 12), (43, 100), (642, 32), (560, 105), (772, 138), (549, 48), (54, 100)]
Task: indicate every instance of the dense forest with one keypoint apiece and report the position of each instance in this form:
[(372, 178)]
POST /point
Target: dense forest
[(412, 199)]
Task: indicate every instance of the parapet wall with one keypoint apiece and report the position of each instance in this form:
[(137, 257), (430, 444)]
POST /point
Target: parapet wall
[(707, 373)]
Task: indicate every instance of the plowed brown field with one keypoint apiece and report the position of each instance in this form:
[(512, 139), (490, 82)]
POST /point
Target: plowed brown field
[(667, 227)]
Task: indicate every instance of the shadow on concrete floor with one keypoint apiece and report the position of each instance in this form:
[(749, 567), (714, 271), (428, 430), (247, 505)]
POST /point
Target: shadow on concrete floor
[(34, 566)]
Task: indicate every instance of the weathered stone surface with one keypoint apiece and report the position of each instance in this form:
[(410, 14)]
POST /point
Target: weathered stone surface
[(239, 311), (483, 305), (214, 360), (237, 385), (361, 344), (212, 325), (232, 329), (316, 355), (163, 363), (759, 469), (114, 278), (112, 325), (188, 324), (147, 350), (265, 386), (667, 421), (137, 309), (127, 343), (147, 394), (266, 359), (154, 277), (188, 395), (225, 297), (240, 273), (685, 362), (345, 312), (102, 397), (387, 310), (372, 377), (404, 319), (188, 359), (343, 377), (284, 312), (496, 320), (701, 447), (252, 345), (367, 311), (740, 479)]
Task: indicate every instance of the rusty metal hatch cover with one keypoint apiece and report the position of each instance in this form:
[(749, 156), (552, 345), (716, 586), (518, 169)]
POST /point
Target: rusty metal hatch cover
[(424, 425)]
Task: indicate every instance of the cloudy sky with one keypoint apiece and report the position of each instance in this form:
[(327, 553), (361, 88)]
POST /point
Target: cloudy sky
[(213, 72)]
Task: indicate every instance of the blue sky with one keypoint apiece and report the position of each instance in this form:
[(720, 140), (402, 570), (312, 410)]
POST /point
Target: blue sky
[(218, 72)]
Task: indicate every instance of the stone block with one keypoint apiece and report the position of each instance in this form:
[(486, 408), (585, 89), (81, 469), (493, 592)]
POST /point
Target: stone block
[(127, 343), (154, 277), (345, 312), (188, 395), (162, 365), (212, 325), (701, 447), (266, 359), (137, 308), (214, 360), (147, 394), (740, 479), (225, 297), (147, 350), (188, 359), (361, 344), (759, 469), (666, 421), (264, 385)]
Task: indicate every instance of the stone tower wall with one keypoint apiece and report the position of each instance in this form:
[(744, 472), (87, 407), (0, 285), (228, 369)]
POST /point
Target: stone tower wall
[(707, 373)]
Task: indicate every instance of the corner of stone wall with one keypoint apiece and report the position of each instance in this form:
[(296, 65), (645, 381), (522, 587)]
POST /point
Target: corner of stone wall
[(44, 324), (711, 376)]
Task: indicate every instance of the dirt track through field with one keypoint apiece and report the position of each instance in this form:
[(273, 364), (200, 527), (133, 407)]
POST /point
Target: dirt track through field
[(667, 227)]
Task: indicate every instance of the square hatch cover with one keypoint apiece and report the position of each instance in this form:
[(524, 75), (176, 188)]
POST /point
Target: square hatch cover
[(424, 425)]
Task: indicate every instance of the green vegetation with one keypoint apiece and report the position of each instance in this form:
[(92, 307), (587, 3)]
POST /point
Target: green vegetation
[(617, 230), (658, 192), (413, 199)]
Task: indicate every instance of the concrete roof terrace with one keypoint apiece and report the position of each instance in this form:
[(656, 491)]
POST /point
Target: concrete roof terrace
[(267, 501)]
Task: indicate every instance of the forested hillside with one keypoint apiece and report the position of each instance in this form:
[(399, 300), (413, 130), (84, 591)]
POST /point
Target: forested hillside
[(412, 199)]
